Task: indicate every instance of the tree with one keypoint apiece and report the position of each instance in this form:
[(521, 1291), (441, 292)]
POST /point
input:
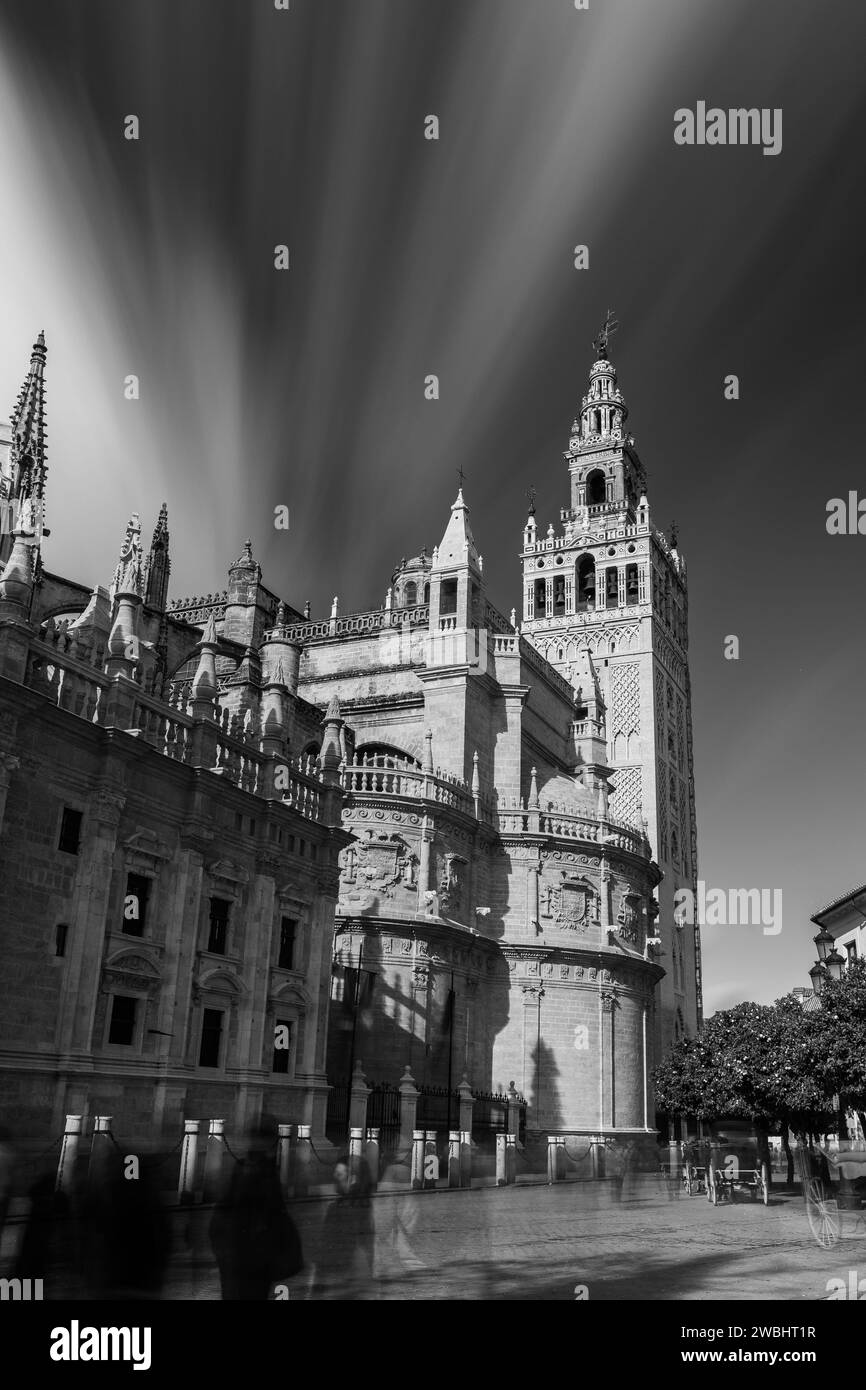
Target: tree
[(759, 1062), (843, 1011)]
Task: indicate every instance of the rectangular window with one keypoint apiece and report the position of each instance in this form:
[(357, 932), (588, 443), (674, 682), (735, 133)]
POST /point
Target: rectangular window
[(135, 904), (282, 1046), (540, 598), (611, 582), (559, 594), (121, 1030), (288, 931), (447, 597), (70, 831), (219, 926), (851, 948), (211, 1037), (60, 935)]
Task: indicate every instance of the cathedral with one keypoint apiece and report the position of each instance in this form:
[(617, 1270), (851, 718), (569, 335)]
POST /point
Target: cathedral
[(243, 850)]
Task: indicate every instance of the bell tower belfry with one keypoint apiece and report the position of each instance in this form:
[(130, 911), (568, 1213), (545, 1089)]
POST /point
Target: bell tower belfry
[(610, 586)]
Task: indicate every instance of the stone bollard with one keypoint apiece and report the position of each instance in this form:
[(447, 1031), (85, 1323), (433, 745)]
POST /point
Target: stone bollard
[(417, 1158), (597, 1161), (356, 1151), (454, 1158), (214, 1156), (373, 1155), (501, 1178), (552, 1162), (431, 1159), (465, 1158), (284, 1157), (186, 1178), (68, 1153), (511, 1158), (303, 1160), (101, 1148)]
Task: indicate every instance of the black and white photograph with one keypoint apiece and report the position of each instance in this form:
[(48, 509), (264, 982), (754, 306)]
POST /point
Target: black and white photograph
[(432, 754)]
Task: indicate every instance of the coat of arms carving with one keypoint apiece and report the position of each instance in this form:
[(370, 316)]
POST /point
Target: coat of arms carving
[(377, 862), (572, 904)]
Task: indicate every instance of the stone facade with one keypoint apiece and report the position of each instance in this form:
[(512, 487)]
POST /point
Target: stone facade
[(426, 798)]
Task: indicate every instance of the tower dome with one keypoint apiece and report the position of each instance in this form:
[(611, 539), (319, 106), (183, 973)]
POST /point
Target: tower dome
[(410, 581)]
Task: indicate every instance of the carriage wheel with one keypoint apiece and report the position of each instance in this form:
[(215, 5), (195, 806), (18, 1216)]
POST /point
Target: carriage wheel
[(765, 1184), (825, 1218), (712, 1188)]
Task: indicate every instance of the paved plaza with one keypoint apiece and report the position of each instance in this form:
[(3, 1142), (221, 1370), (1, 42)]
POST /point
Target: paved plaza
[(540, 1242)]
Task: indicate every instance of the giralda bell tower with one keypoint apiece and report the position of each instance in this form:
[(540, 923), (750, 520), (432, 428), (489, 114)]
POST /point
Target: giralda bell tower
[(605, 600)]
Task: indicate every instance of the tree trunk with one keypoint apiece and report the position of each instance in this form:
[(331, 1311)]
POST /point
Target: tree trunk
[(786, 1145)]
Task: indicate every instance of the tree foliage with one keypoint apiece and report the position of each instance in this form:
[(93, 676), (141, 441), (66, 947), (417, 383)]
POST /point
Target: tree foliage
[(774, 1064)]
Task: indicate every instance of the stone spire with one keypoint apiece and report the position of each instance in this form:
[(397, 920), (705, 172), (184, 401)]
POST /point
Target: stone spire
[(22, 488), (457, 547), (128, 576), (331, 753), (157, 566), (204, 683)]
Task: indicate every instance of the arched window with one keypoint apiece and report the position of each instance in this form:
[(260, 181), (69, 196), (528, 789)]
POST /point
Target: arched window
[(595, 488), (385, 755), (585, 584), (410, 594), (631, 584), (426, 593)]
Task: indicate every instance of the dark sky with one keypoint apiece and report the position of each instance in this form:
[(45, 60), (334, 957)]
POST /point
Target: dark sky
[(455, 257)]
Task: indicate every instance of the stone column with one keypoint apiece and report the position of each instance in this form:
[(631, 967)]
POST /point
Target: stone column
[(68, 1153), (467, 1102), (424, 862), (409, 1094), (358, 1100), (513, 1109)]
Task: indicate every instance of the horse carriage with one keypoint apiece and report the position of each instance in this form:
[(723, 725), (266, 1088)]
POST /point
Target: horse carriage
[(834, 1191)]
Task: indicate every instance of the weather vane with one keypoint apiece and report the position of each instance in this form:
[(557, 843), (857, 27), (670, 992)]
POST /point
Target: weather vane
[(530, 492), (461, 475), (606, 332)]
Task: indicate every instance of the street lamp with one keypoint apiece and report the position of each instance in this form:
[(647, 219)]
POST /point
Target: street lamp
[(816, 975), (824, 943), (834, 965)]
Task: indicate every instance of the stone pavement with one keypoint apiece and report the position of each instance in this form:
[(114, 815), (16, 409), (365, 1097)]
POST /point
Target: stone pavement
[(539, 1243)]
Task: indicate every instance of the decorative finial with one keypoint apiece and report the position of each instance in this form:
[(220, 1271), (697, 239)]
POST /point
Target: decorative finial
[(606, 332), (530, 492), (307, 610), (281, 614)]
